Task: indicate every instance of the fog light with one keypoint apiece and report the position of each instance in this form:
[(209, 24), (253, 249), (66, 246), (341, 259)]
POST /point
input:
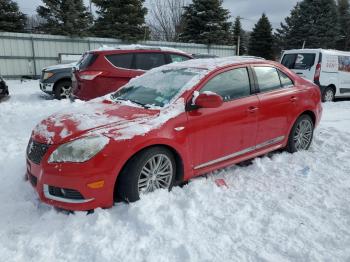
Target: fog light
[(97, 184)]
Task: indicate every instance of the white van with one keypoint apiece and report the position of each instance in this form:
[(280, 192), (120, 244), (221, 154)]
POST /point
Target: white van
[(329, 69)]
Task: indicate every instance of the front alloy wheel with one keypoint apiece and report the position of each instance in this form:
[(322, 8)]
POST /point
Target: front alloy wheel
[(151, 169), (63, 90), (156, 173)]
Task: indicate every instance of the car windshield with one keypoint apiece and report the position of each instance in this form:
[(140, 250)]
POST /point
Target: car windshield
[(157, 88)]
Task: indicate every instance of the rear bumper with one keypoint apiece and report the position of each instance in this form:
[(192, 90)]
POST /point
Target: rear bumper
[(41, 180)]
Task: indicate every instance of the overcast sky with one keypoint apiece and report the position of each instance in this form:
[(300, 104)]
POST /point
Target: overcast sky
[(249, 10)]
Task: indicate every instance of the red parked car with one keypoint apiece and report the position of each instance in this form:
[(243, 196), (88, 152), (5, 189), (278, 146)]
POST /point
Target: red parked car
[(103, 71), (173, 123)]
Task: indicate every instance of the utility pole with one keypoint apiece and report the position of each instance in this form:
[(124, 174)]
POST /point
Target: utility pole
[(303, 45)]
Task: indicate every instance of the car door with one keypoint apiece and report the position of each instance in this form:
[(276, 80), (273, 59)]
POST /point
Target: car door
[(221, 134), (279, 100)]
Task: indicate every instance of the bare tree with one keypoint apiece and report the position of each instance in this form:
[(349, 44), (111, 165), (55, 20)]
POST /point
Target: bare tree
[(165, 19)]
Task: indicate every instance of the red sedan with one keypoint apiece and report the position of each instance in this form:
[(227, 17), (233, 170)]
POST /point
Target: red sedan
[(173, 123)]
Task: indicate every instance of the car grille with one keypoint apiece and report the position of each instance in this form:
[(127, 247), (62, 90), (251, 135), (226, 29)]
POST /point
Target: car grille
[(65, 193), (36, 151)]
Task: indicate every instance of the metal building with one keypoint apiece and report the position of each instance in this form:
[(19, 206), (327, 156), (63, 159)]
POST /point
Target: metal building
[(26, 54)]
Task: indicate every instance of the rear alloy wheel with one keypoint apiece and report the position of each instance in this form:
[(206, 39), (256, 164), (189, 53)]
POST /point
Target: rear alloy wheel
[(300, 137), (149, 170), (63, 90), (328, 95)]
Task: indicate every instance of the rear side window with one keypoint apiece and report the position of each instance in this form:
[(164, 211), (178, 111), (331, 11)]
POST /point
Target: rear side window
[(147, 61), (87, 60), (299, 61), (230, 85), (285, 80), (121, 60), (178, 58), (268, 78)]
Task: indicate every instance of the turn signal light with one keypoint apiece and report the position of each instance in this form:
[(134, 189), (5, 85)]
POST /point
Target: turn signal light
[(97, 184)]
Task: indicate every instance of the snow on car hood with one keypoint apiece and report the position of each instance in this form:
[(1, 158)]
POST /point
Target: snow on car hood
[(118, 121), (60, 66)]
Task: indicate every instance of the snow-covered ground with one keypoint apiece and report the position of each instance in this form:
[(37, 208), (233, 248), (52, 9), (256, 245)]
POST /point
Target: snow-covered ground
[(281, 208)]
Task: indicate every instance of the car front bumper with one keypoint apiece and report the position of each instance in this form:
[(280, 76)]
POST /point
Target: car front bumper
[(69, 189), (46, 87)]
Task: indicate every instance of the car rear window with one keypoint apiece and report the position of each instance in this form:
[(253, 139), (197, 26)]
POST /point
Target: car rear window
[(121, 60), (87, 60), (147, 61), (299, 61)]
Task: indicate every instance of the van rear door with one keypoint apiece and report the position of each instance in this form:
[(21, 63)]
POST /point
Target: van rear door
[(303, 64)]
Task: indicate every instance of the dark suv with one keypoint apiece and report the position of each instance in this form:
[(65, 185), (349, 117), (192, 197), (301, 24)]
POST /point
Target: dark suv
[(56, 80), (106, 70)]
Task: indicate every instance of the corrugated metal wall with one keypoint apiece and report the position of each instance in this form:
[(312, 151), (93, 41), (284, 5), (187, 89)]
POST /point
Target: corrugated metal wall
[(26, 54)]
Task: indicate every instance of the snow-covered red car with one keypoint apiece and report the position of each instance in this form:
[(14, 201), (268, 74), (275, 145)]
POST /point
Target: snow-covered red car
[(173, 123)]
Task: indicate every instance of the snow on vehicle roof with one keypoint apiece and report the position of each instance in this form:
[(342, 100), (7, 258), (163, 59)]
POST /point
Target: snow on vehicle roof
[(60, 66), (213, 63), (139, 47), (308, 50)]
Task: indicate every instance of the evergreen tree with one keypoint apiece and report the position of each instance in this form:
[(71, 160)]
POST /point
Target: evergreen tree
[(65, 17), (123, 19), (261, 39), (312, 21), (11, 19), (344, 25), (206, 22), (238, 33)]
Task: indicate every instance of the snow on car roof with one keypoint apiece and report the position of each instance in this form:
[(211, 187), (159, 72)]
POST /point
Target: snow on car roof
[(313, 50), (212, 63), (139, 47)]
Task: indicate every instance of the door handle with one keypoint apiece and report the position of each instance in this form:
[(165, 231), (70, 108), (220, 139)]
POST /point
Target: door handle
[(293, 99), (253, 109)]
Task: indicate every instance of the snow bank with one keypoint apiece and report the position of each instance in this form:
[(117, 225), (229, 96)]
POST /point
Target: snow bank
[(281, 208)]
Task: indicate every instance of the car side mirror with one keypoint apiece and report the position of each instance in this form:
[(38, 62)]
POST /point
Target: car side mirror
[(208, 100)]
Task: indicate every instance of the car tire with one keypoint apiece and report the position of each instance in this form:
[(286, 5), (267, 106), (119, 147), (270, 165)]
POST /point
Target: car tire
[(301, 135), (63, 89), (133, 181), (328, 95)]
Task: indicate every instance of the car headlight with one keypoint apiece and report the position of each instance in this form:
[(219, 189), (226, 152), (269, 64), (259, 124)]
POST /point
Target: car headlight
[(47, 75), (79, 150)]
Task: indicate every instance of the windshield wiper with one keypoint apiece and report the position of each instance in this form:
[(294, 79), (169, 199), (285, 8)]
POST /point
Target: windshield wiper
[(132, 101)]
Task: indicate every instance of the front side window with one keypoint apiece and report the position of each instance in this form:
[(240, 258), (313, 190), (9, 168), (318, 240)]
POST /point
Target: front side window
[(157, 88), (147, 61), (268, 78), (230, 85), (301, 61), (121, 60)]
